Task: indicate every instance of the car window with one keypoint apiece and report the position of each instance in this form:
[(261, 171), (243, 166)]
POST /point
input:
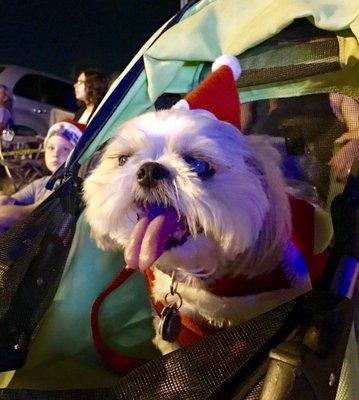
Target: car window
[(57, 93), (47, 91), (28, 86)]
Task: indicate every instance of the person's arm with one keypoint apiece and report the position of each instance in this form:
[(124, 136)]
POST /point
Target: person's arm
[(350, 112), (10, 214), (26, 195), (343, 159), (347, 109), (5, 117)]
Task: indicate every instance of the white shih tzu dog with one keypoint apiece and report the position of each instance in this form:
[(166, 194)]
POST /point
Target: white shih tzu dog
[(205, 209)]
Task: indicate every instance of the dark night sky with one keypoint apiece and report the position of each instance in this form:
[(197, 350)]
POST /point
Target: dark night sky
[(60, 36)]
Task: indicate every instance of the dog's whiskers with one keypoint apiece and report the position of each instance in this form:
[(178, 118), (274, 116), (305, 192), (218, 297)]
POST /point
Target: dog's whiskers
[(174, 183), (129, 216), (174, 198)]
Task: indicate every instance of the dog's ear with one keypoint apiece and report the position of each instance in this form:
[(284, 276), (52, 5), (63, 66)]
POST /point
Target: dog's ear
[(265, 151), (104, 242)]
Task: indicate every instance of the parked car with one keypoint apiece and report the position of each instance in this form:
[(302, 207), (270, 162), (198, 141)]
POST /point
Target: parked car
[(37, 96)]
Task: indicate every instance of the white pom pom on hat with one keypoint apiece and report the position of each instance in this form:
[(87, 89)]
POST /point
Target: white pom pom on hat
[(231, 61), (217, 93)]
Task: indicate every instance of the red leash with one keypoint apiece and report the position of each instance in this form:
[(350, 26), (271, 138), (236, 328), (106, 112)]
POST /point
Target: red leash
[(190, 330), (122, 364)]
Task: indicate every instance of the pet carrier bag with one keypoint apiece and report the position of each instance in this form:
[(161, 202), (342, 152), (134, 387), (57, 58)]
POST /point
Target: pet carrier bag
[(289, 70)]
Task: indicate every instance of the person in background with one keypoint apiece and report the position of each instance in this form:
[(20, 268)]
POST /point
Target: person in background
[(5, 107), (90, 88), (345, 109), (60, 140)]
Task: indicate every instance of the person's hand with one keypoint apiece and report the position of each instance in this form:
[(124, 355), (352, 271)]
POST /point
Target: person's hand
[(343, 159), (10, 214), (351, 135)]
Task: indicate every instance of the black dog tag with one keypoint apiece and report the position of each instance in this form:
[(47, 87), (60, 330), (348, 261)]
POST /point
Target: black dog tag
[(170, 323)]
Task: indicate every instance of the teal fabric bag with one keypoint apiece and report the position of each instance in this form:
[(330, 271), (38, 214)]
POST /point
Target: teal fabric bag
[(62, 354)]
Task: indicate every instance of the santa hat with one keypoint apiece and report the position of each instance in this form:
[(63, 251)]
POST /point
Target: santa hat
[(217, 93), (68, 129)]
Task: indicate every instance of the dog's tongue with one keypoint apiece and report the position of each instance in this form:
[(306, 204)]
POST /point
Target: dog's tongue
[(149, 237)]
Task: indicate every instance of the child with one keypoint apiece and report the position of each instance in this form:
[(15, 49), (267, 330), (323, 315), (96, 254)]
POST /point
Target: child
[(61, 138)]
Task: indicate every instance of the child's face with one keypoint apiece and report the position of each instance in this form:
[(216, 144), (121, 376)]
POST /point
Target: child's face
[(56, 151)]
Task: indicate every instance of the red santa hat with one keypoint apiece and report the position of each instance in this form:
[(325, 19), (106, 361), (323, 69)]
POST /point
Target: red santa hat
[(68, 129), (217, 93)]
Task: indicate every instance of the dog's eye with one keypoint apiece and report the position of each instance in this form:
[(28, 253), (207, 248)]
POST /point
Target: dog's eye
[(202, 168), (123, 159)]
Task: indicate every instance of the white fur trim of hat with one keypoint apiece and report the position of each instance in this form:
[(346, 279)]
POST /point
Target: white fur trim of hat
[(66, 130)]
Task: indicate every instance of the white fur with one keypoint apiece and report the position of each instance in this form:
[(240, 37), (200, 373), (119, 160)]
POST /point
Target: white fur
[(243, 208), (231, 61), (219, 311)]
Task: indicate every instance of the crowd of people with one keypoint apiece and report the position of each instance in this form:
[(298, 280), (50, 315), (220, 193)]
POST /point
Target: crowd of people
[(90, 87), (60, 140)]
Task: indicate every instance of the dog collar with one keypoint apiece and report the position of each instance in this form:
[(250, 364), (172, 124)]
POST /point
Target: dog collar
[(242, 286), (190, 331)]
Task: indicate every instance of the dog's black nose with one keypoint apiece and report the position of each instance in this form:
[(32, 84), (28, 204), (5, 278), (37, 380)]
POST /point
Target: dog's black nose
[(150, 173)]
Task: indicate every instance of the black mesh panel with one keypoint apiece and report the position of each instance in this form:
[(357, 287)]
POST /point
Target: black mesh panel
[(305, 129), (196, 372), (299, 51), (32, 256)]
